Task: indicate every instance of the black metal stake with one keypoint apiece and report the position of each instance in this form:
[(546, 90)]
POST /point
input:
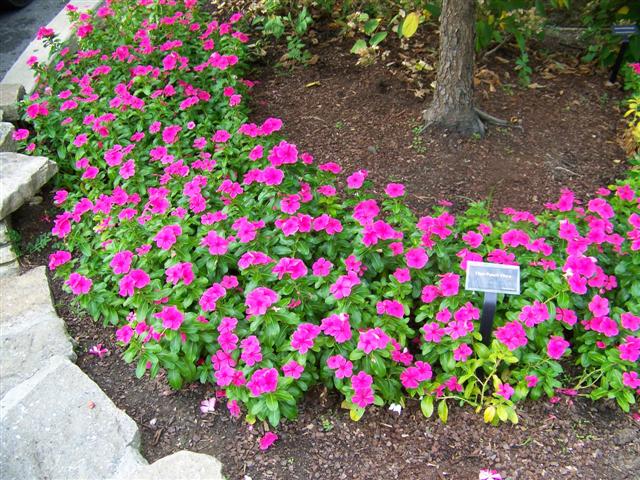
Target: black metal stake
[(486, 319), (618, 64)]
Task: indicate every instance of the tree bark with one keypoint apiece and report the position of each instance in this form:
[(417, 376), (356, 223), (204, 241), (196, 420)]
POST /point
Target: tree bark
[(452, 105)]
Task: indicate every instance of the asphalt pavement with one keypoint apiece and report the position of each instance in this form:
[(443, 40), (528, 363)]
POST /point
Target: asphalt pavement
[(19, 26)]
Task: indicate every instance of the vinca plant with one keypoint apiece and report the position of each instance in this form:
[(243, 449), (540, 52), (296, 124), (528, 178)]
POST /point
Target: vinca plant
[(221, 253)]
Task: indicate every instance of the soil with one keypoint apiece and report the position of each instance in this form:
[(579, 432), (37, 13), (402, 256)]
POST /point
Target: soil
[(363, 118), (564, 131)]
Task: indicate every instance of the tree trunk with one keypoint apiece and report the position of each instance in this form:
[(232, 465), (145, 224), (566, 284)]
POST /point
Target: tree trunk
[(452, 105)]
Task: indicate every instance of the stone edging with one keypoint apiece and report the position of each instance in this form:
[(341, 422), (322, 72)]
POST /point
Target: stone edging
[(55, 422)]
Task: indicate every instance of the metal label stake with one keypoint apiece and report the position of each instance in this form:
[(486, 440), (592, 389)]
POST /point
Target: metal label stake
[(492, 279)]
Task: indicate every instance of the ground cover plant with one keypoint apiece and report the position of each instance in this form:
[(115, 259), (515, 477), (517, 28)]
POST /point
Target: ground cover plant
[(221, 253)]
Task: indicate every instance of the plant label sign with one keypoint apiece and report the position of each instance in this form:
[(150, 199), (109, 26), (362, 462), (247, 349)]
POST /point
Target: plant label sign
[(493, 278), (624, 30)]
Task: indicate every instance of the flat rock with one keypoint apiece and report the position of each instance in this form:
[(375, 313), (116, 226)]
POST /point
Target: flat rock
[(9, 270), (15, 304), (7, 144), (21, 177), (7, 255), (4, 234), (26, 346), (10, 95), (181, 465), (30, 331), (59, 425)]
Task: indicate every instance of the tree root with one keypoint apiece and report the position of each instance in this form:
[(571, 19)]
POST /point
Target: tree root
[(485, 117)]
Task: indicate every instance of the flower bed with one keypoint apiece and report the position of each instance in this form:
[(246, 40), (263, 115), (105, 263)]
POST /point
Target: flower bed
[(222, 253)]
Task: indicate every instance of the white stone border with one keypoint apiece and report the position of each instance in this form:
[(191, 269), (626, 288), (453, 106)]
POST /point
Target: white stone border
[(20, 73)]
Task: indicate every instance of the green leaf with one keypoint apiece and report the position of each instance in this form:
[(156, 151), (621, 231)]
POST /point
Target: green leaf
[(377, 38), (359, 46), (410, 25), (426, 405), (175, 379), (443, 411), (564, 300), (489, 413), (371, 26), (356, 413)]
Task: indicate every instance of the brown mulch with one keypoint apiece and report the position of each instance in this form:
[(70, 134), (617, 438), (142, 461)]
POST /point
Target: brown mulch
[(363, 118), (368, 117)]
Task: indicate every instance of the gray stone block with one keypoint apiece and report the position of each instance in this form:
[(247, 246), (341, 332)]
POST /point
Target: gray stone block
[(24, 294), (7, 255), (25, 346), (10, 95), (181, 465), (59, 425), (4, 234), (7, 143), (21, 177), (30, 331), (9, 270)]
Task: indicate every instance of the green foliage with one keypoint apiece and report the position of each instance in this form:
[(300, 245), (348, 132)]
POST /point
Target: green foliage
[(598, 17)]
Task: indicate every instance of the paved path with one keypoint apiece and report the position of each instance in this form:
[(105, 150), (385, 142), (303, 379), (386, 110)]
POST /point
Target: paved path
[(19, 26)]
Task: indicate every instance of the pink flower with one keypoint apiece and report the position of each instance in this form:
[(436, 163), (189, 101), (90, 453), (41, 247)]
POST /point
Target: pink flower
[(430, 293), (462, 353), (337, 326), (171, 317), (356, 179), (390, 307), (489, 475), (472, 239), (60, 197), (342, 366), (292, 369), (599, 306), (512, 335), (630, 321), (217, 245), (373, 339), (264, 380), (532, 380), (449, 284), (363, 397), (631, 380), (180, 271), (259, 300), (302, 339), (534, 314), (416, 258), (121, 262), (394, 190), (167, 236), (79, 284), (321, 267), (292, 266), (211, 296), (98, 350), (124, 334), (505, 390), (137, 279), (251, 351), (267, 440), (208, 405), (58, 258), (556, 347), (402, 275), (20, 134)]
